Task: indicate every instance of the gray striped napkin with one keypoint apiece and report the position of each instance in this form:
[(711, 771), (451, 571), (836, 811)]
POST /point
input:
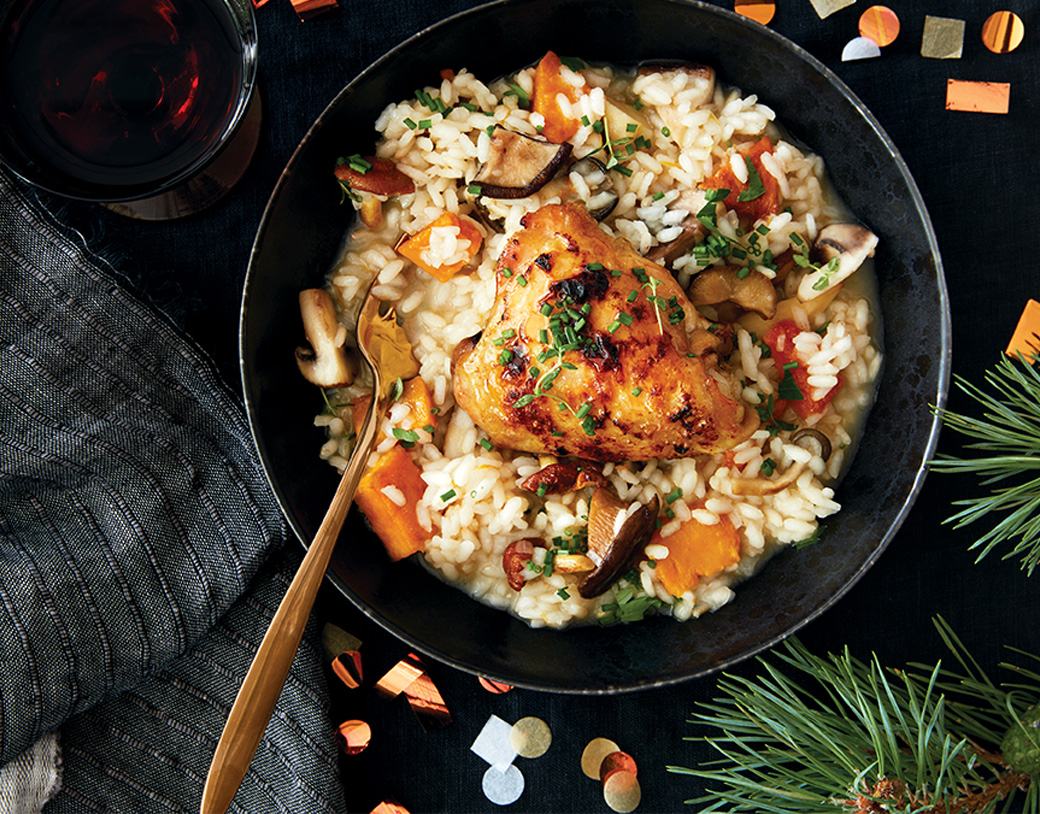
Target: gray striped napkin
[(141, 552)]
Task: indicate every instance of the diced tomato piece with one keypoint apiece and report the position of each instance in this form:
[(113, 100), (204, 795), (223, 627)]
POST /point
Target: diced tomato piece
[(780, 339), (548, 84), (768, 203)]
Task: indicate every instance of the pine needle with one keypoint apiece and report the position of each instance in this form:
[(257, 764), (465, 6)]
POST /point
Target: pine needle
[(835, 734), (1009, 434)]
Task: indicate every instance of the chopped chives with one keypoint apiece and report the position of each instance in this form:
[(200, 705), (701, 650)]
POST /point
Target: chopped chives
[(594, 266), (613, 326), (542, 489), (429, 428), (424, 124), (508, 333), (658, 195), (405, 435), (632, 295), (631, 127), (666, 132), (625, 317), (448, 495), (583, 410), (473, 189), (543, 336), (411, 125), (616, 272), (674, 495), (522, 281), (505, 357), (484, 442), (546, 310), (636, 391)]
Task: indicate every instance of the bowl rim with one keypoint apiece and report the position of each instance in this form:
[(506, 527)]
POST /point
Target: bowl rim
[(908, 498)]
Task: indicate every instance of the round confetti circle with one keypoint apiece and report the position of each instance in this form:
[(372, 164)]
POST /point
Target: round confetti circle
[(617, 762), (880, 24), (530, 737), (354, 736), (621, 792), (1003, 32), (592, 757), (503, 787)]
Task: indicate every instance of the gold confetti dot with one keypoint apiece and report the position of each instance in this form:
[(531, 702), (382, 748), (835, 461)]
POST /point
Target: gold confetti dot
[(942, 37), (825, 8), (617, 762), (761, 11), (530, 737), (592, 757), (880, 24), (1003, 31), (621, 792), (354, 736), (495, 687)]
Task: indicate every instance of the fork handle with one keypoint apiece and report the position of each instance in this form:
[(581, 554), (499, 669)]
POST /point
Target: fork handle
[(263, 683)]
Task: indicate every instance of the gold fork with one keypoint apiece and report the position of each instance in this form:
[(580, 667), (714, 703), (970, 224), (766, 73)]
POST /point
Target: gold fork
[(389, 355)]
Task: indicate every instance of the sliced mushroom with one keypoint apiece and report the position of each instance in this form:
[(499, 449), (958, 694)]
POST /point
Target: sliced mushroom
[(764, 486), (326, 362), (815, 435), (617, 533), (518, 166), (602, 196), (753, 291), (381, 178), (558, 477), (787, 308), (692, 234), (848, 245)]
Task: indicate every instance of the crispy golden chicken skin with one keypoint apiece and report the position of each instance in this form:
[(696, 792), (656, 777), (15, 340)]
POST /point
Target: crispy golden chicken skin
[(588, 352)]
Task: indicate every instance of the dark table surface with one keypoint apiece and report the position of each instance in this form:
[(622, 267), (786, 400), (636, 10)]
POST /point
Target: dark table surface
[(979, 177)]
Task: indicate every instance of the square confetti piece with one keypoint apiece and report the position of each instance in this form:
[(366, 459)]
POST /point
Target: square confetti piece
[(825, 8), (492, 744), (1025, 339), (942, 38), (978, 97)]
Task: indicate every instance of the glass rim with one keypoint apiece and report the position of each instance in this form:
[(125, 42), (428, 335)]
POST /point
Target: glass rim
[(38, 175)]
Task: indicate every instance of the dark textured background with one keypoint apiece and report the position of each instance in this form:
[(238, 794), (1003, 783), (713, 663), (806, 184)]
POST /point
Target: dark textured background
[(978, 174)]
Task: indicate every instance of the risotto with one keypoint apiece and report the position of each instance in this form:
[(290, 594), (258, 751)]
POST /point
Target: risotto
[(737, 262)]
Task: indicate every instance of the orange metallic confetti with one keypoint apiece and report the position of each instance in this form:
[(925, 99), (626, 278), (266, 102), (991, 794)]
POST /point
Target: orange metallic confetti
[(1003, 31), (400, 677), (389, 807), (427, 703), (495, 687), (880, 24), (306, 9), (354, 736), (335, 640), (1026, 338), (617, 762), (347, 667), (942, 37), (761, 11), (978, 97)]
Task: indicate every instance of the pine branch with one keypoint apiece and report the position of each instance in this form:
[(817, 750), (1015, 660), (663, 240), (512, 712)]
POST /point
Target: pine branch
[(835, 734), (1009, 431)]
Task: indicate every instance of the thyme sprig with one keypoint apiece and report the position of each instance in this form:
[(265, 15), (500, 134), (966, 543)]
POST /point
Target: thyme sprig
[(1008, 435), (817, 734)]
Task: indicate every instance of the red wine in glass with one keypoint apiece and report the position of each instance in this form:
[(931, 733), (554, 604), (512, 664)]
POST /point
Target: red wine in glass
[(115, 100)]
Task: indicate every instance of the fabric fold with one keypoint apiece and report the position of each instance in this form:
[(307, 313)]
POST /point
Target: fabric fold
[(133, 515)]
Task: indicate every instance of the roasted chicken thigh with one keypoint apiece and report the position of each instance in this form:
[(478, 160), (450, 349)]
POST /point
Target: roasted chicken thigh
[(594, 351)]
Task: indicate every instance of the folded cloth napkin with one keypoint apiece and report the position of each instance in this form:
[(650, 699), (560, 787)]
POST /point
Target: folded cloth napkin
[(142, 554)]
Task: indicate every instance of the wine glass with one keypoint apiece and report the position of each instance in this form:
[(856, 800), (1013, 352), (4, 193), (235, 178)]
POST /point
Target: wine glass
[(146, 106)]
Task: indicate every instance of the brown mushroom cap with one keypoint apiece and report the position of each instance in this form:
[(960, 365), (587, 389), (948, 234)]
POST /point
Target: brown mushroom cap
[(325, 362), (617, 533), (752, 292), (518, 166)]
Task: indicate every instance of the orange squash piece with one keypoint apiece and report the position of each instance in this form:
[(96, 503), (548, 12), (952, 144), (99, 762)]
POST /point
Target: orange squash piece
[(416, 246), (548, 83), (768, 203), (397, 526), (694, 551), (415, 394)]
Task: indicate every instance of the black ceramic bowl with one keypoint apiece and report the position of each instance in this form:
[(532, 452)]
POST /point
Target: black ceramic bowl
[(301, 233)]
